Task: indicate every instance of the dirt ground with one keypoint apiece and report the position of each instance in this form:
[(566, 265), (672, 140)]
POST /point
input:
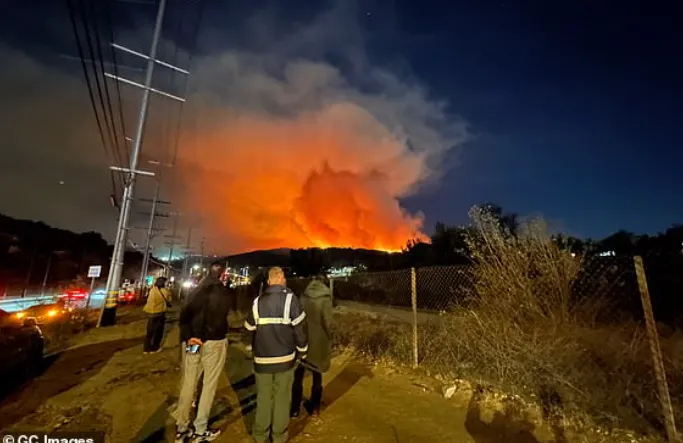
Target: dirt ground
[(103, 382)]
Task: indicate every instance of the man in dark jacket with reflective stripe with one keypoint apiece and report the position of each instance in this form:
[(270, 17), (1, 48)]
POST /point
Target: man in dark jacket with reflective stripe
[(279, 326)]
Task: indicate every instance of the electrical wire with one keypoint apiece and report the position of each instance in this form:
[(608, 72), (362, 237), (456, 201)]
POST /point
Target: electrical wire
[(100, 79), (193, 48), (111, 38), (81, 55), (98, 51)]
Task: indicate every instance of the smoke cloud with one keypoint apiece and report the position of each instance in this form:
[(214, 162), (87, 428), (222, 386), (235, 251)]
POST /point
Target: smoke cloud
[(279, 147), (280, 150)]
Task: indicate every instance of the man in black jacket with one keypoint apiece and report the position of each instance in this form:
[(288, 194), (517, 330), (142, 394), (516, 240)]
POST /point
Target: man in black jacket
[(204, 326), (279, 326)]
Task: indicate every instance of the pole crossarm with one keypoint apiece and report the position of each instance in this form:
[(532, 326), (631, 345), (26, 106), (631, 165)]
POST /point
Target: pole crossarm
[(134, 171), (141, 86), (146, 57), (151, 200), (145, 228)]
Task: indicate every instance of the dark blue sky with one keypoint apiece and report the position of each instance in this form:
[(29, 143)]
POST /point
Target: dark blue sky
[(575, 106)]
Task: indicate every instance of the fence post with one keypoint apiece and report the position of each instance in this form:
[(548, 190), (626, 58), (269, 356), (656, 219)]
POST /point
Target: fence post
[(413, 299), (332, 290), (655, 349)]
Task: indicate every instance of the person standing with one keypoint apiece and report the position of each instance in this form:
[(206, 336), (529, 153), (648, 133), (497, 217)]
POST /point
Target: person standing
[(158, 302), (317, 303), (279, 326), (204, 327)]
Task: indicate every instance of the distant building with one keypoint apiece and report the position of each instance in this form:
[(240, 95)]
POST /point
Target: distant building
[(341, 272)]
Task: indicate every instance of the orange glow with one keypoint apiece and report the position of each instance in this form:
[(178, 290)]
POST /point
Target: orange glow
[(325, 179)]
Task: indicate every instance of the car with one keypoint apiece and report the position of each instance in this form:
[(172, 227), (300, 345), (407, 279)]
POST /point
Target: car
[(75, 294), (47, 313), (21, 345), (127, 295)]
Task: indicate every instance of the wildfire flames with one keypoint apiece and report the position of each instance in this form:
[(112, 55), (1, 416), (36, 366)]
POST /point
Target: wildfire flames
[(330, 178)]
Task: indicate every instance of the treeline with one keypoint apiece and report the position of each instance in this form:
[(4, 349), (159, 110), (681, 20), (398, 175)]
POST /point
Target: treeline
[(607, 264), (448, 246), (32, 252)]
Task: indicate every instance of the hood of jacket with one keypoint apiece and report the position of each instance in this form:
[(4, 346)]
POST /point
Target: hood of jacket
[(317, 289)]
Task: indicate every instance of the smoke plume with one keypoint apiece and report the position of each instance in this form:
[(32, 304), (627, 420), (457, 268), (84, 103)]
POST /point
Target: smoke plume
[(279, 147), (283, 151)]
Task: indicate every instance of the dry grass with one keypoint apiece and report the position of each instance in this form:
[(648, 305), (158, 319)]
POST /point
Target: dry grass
[(379, 340), (527, 333)]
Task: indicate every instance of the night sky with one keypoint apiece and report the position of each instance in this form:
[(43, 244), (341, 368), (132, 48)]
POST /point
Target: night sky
[(572, 108)]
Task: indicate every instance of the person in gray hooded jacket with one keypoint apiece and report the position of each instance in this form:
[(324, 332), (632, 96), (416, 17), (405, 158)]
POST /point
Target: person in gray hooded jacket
[(317, 303)]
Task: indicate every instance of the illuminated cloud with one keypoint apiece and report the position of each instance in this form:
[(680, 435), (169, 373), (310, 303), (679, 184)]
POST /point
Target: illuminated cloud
[(279, 147)]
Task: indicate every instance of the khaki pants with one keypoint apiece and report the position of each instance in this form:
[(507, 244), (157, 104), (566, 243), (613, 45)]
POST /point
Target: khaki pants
[(273, 401), (210, 360)]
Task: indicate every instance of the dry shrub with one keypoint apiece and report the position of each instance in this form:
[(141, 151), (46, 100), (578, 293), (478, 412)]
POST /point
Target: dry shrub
[(528, 333), (378, 340)]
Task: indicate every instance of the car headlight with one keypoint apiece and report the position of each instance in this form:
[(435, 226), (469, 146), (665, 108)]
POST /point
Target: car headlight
[(52, 312), (20, 315)]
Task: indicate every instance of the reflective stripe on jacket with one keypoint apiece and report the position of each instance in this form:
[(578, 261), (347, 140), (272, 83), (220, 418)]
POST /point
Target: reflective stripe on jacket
[(279, 325)]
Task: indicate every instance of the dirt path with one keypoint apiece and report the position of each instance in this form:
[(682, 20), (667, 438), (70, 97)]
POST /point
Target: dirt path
[(110, 386)]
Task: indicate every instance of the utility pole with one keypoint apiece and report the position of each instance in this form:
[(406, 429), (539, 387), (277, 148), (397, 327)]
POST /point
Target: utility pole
[(201, 254), (172, 238), (187, 251), (108, 314), (152, 215), (30, 269), (47, 273), (147, 252)]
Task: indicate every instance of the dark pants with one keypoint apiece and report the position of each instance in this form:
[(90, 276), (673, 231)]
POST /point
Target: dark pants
[(298, 389), (155, 332), (273, 398)]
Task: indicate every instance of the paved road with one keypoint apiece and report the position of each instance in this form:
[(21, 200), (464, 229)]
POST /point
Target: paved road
[(400, 314), (14, 304)]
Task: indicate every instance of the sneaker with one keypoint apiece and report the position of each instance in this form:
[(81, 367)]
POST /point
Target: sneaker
[(208, 435), (181, 436)]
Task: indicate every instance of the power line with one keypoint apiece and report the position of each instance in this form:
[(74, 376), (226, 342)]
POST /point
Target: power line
[(98, 81), (122, 120), (98, 52), (79, 46), (191, 50)]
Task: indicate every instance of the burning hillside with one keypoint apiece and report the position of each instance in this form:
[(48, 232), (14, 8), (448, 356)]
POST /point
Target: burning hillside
[(331, 178)]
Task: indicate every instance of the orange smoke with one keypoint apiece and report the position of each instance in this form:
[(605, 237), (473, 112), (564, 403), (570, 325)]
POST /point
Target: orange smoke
[(330, 178)]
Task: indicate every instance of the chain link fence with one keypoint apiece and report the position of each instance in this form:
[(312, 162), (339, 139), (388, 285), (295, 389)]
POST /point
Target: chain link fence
[(550, 325), (576, 328)]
